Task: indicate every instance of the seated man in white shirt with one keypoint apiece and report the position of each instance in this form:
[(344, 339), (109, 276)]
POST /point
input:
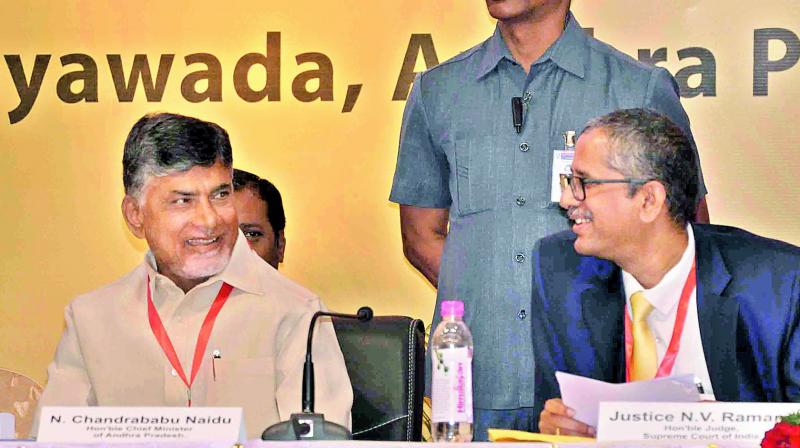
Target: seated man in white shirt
[(637, 291), (132, 343)]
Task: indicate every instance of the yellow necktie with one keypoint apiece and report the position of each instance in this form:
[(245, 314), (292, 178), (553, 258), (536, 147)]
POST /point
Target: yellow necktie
[(645, 359)]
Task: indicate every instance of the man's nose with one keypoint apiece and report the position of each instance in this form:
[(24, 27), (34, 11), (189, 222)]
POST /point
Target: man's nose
[(567, 199), (206, 215)]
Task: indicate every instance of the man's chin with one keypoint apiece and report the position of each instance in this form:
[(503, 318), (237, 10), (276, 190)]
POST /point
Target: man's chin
[(586, 249), (582, 247), (205, 268)]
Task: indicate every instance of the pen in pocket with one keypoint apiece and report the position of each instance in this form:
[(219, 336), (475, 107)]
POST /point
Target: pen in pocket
[(215, 355)]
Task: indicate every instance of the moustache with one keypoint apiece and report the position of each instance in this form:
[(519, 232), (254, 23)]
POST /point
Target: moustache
[(575, 213)]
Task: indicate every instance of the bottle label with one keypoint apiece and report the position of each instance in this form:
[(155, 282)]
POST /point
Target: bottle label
[(451, 392)]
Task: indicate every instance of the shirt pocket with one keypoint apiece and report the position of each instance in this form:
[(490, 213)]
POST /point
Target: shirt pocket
[(476, 181), (245, 382)]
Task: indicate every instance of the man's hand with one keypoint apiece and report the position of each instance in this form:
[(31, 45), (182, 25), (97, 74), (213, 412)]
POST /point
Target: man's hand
[(424, 231), (556, 418)]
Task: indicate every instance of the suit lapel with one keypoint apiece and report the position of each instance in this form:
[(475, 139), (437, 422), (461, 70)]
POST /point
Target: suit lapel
[(598, 289), (717, 316)]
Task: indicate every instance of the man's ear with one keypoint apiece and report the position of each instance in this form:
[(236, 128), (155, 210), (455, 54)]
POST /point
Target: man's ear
[(281, 246), (654, 201), (132, 212)]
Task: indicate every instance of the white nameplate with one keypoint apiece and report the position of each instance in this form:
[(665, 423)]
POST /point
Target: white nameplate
[(59, 424), (708, 421)]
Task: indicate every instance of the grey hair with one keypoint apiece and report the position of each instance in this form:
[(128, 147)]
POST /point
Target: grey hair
[(646, 144), (161, 144)]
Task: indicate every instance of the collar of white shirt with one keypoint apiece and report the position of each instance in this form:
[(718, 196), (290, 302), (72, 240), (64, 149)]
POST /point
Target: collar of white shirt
[(665, 295), (238, 273)]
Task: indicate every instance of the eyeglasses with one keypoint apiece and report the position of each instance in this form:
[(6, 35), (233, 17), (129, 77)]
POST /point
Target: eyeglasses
[(578, 184)]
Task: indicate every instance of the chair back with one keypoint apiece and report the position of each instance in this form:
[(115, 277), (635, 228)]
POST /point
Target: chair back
[(385, 361), (19, 396)]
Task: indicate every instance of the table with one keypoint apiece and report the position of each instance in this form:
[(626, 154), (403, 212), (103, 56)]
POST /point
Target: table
[(372, 444)]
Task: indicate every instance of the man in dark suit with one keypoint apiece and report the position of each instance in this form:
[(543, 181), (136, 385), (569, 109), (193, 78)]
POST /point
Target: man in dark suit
[(636, 291)]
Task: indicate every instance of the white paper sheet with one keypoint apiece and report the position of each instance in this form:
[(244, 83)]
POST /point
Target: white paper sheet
[(585, 394), (7, 428)]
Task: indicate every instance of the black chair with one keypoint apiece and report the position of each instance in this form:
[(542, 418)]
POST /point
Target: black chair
[(385, 361)]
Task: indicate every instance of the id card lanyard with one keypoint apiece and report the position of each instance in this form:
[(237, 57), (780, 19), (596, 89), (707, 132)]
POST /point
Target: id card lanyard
[(202, 338), (665, 369)]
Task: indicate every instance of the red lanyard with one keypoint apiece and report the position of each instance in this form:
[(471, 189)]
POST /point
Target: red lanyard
[(202, 339), (675, 343)]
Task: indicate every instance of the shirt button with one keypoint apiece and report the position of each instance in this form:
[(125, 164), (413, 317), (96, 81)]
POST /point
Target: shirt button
[(527, 96), (174, 372), (524, 147), (520, 258), (520, 201), (522, 314)]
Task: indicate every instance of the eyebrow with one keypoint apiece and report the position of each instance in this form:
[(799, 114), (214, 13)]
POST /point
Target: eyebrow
[(580, 173), (219, 188)]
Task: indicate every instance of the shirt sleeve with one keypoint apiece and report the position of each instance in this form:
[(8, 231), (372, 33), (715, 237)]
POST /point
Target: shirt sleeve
[(422, 174), (67, 379), (333, 394), (662, 96)]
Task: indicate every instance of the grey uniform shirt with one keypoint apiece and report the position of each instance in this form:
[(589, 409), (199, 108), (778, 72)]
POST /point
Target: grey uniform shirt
[(459, 150)]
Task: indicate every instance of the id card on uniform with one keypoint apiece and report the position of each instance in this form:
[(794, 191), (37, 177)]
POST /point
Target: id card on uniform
[(562, 161)]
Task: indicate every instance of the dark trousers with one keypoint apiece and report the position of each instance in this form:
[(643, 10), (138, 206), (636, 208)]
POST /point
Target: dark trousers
[(522, 419)]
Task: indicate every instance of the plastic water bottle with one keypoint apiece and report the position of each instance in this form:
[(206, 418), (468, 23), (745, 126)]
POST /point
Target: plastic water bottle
[(451, 389)]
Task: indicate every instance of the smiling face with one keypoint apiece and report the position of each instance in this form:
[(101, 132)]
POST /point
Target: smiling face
[(254, 222), (189, 221), (606, 222)]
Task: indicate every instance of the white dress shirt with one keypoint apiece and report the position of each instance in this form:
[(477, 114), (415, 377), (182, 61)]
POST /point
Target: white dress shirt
[(108, 355), (665, 297)]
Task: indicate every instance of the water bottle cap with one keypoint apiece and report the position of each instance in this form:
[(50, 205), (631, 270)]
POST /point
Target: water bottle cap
[(452, 308)]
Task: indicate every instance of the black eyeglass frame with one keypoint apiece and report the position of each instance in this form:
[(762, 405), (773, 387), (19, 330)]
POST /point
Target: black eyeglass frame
[(567, 179)]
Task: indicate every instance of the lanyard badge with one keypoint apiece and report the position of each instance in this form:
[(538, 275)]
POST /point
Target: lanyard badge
[(202, 338), (665, 368)]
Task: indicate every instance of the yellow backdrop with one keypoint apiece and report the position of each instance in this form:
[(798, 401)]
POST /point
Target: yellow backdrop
[(62, 232)]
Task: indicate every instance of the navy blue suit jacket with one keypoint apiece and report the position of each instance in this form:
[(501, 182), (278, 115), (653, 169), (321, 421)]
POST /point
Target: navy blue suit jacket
[(748, 306)]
